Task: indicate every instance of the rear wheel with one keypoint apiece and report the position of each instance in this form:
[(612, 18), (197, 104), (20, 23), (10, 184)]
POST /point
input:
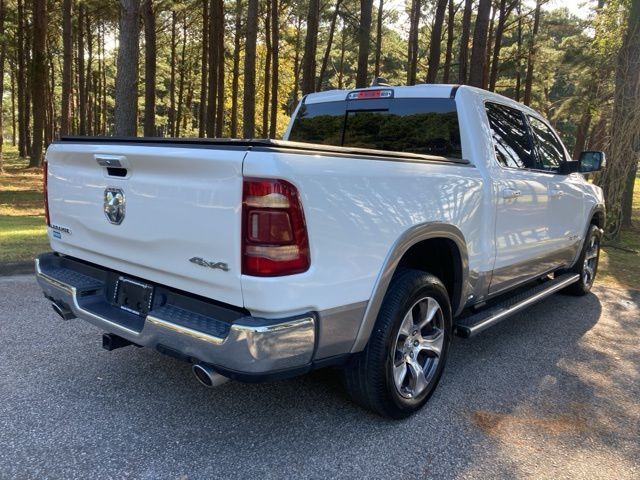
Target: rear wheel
[(587, 264), (400, 367)]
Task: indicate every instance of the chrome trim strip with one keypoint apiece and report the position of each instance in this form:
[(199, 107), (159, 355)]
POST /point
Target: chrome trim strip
[(278, 327), (412, 236), (521, 305), (205, 337)]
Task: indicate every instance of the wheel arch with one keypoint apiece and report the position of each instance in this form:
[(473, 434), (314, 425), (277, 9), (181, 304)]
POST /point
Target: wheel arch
[(406, 250), (597, 216)]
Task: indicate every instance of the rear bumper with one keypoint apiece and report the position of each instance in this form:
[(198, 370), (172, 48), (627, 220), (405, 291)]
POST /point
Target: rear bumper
[(189, 327)]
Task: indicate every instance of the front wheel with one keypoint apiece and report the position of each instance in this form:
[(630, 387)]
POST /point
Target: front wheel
[(587, 264), (402, 364)]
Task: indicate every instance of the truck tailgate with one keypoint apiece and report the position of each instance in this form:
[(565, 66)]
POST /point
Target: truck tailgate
[(181, 222)]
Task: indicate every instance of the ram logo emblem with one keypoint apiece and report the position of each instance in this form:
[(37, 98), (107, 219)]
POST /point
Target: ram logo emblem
[(114, 205)]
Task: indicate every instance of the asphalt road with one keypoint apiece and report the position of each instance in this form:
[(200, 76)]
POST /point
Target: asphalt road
[(551, 393)]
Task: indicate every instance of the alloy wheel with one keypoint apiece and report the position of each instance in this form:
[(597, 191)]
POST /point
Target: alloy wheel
[(418, 347)]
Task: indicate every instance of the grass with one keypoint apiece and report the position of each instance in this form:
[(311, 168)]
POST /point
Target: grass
[(620, 261), (23, 233)]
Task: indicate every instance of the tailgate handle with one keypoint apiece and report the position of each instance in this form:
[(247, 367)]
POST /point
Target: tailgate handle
[(111, 161)]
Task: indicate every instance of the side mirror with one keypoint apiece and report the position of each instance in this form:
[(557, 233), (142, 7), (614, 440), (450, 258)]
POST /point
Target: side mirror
[(591, 162)]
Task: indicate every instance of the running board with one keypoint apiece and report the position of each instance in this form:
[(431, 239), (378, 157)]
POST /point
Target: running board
[(472, 325)]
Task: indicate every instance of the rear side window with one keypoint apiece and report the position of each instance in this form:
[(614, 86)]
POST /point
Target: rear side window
[(510, 136), (415, 125), (550, 150)]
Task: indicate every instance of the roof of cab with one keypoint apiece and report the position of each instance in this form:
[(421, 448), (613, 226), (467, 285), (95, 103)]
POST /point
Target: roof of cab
[(424, 90)]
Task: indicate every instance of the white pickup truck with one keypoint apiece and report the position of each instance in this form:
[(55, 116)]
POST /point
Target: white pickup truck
[(388, 220)]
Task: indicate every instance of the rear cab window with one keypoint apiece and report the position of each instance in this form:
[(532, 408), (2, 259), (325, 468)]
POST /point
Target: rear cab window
[(511, 139), (427, 126)]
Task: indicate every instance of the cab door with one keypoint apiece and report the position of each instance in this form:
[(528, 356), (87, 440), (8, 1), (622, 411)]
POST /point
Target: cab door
[(566, 214), (523, 237)]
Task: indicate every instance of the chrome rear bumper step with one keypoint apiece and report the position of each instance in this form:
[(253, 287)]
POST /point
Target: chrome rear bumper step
[(473, 324)]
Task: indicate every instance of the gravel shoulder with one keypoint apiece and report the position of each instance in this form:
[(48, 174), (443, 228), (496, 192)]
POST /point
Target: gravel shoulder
[(552, 393)]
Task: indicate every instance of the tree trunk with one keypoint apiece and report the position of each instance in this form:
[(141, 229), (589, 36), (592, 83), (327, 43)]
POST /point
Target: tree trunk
[(103, 81), (28, 45), (264, 131), (126, 101), (505, 10), (436, 40), (149, 69), (23, 106), (181, 80), (412, 46), (50, 116), (214, 63), (275, 46), (172, 75), (12, 71), (364, 40), (581, 134), (249, 100), (220, 91), (343, 47), (204, 69), (463, 69), (625, 126), (310, 47), (67, 68), (485, 69), (627, 199), (88, 74), (531, 57), (327, 52), (235, 80), (519, 53), (449, 51), (3, 53), (38, 78), (296, 66), (82, 84), (479, 50), (376, 71)]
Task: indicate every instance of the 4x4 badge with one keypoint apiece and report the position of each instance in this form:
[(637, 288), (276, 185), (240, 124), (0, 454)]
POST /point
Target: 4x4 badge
[(204, 263)]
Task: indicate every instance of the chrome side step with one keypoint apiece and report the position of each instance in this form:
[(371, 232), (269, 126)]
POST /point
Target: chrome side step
[(473, 324)]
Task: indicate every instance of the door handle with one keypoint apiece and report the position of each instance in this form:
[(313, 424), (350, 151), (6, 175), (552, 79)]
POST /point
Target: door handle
[(556, 193), (509, 193)]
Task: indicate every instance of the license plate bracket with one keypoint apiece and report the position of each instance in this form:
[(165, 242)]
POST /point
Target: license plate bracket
[(133, 296)]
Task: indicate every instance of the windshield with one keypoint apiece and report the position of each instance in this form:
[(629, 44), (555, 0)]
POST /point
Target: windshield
[(415, 125)]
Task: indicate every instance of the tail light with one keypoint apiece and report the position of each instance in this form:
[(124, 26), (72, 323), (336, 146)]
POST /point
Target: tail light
[(45, 170), (274, 233)]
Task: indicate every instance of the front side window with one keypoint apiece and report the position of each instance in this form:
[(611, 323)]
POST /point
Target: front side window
[(550, 150), (510, 136), (426, 126)]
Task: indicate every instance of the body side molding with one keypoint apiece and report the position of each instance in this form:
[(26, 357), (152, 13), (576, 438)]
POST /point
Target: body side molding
[(412, 236)]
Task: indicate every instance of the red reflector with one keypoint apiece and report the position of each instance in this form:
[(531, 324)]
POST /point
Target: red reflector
[(274, 233), (45, 180)]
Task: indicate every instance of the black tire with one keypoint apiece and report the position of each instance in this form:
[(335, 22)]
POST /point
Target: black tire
[(583, 286), (369, 376)]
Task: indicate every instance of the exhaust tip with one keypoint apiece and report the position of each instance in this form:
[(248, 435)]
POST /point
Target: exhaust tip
[(207, 376), (62, 310)]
